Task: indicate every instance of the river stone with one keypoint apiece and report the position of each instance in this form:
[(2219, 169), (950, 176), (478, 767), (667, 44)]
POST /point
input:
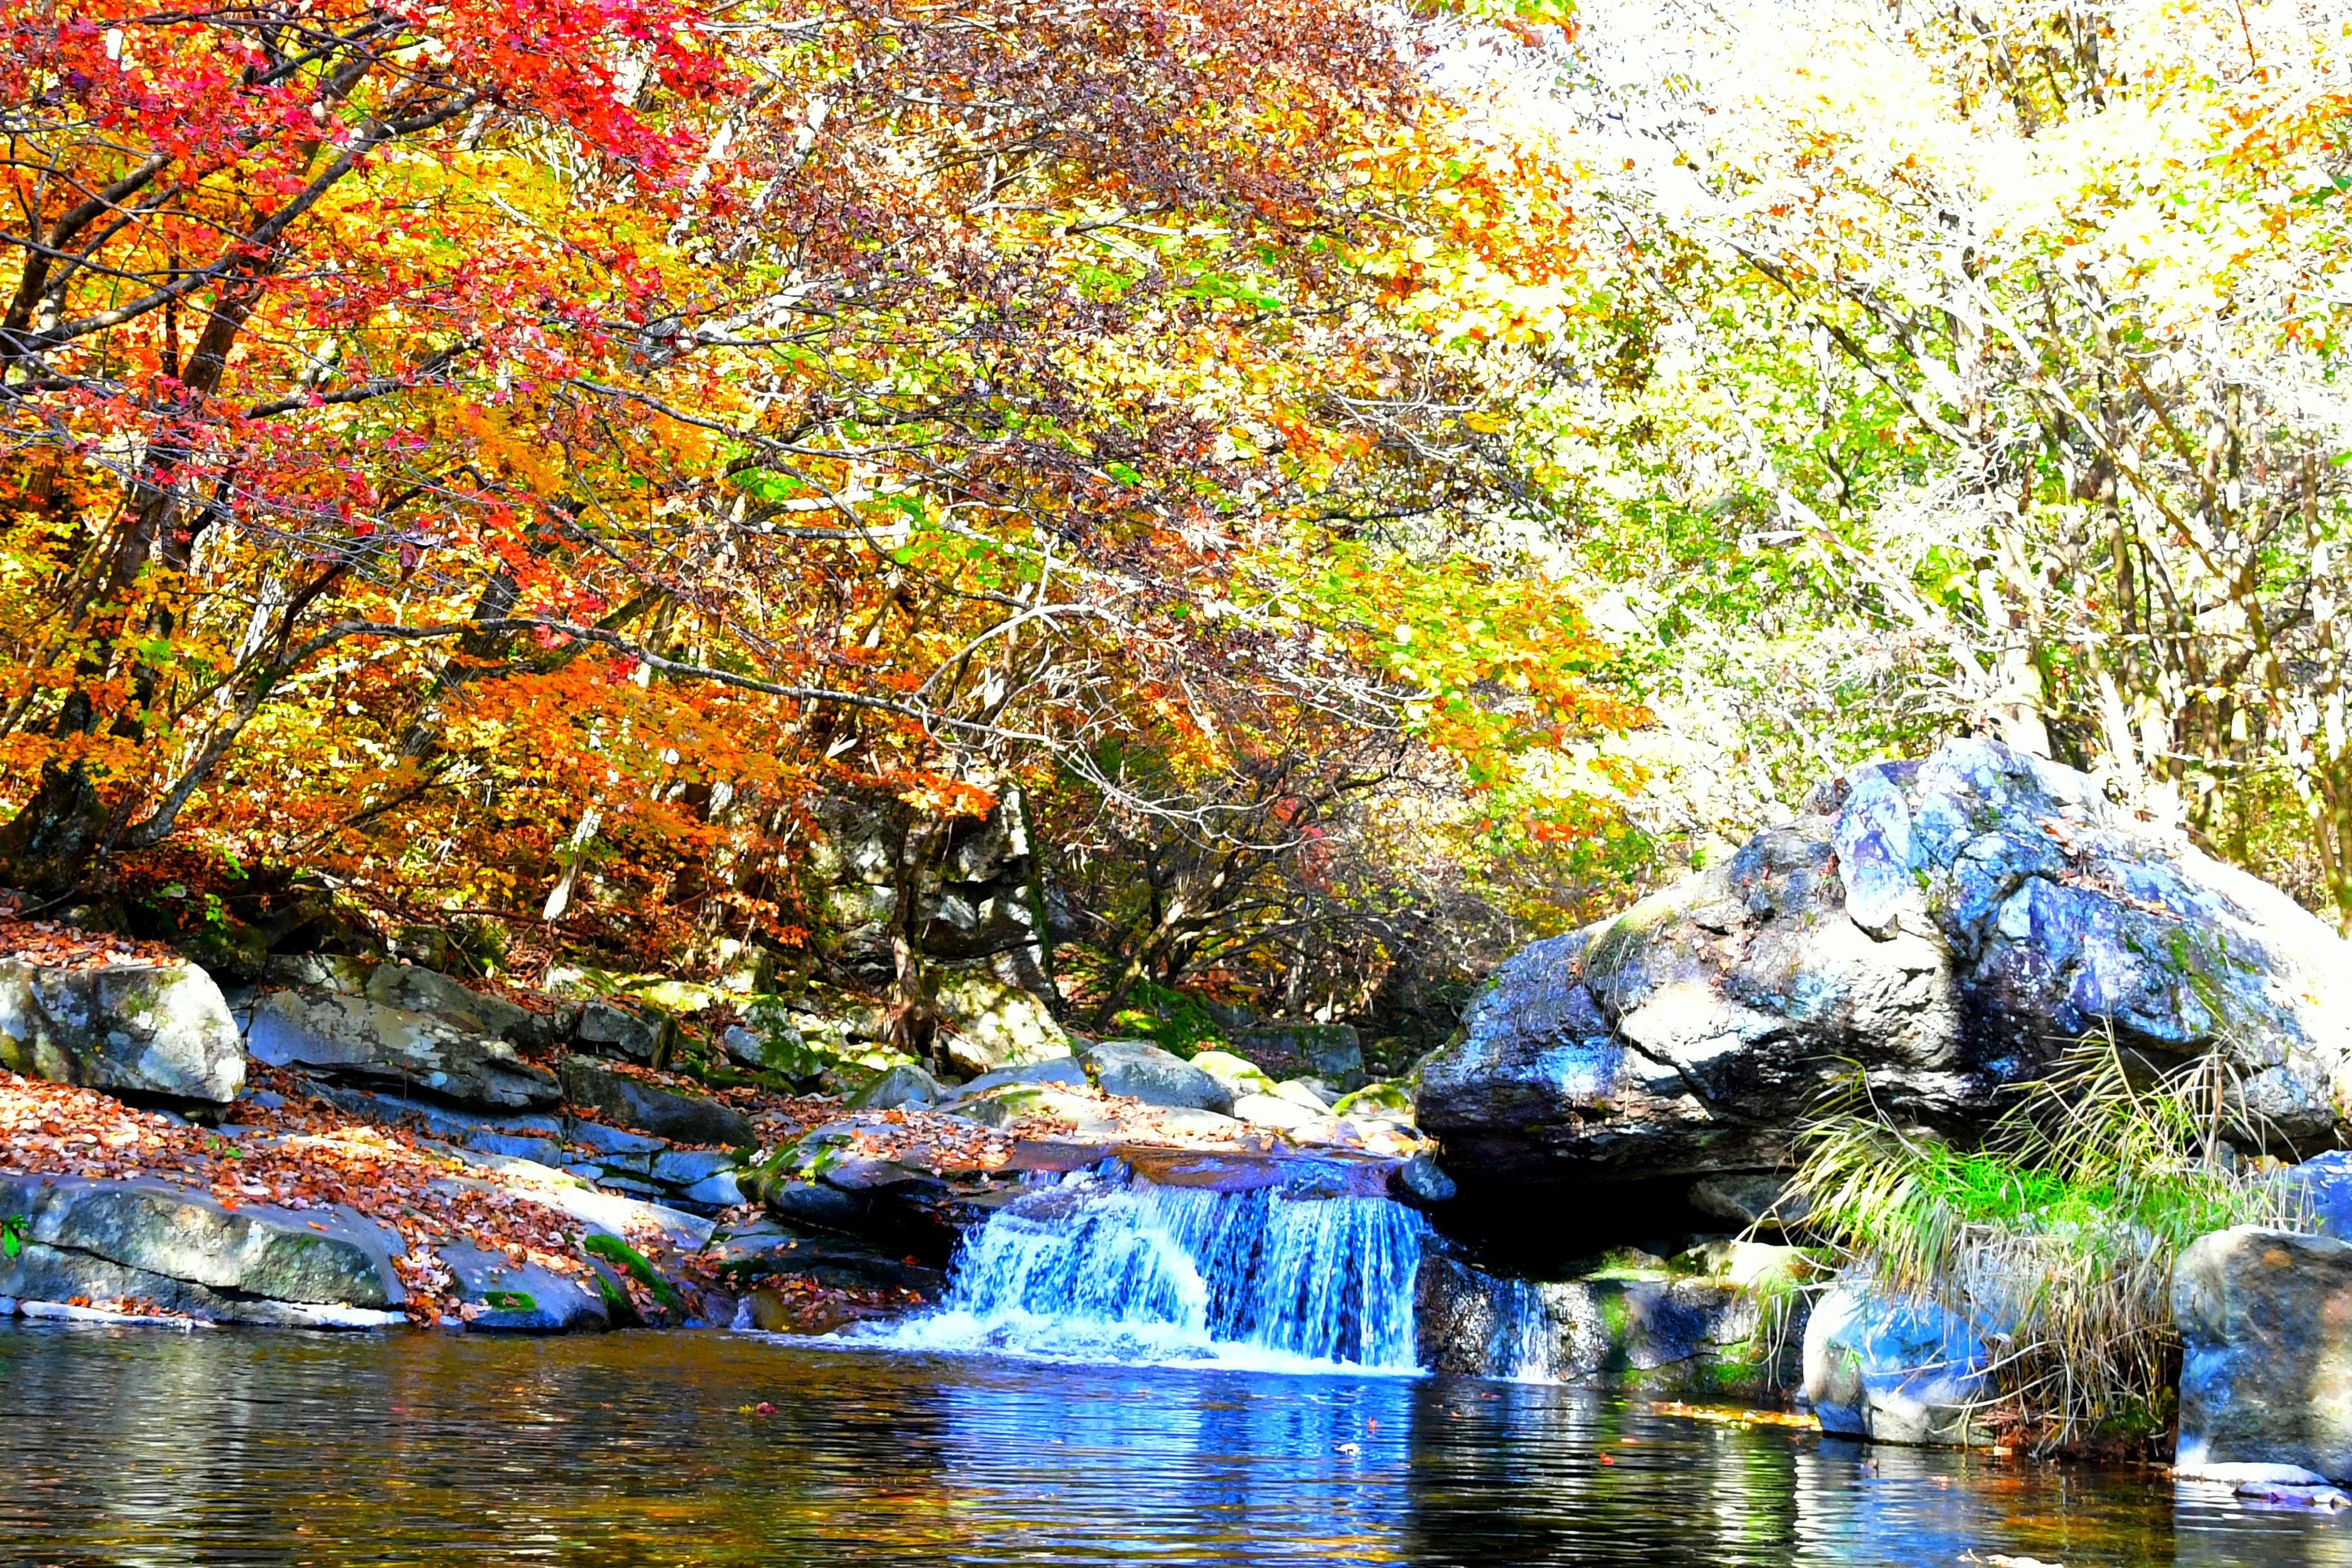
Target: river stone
[(1945, 925), (1191, 1121), (684, 1167), (2265, 1320), (606, 1030), (428, 991), (1273, 1111), (902, 1086), (1306, 1097), (601, 1212), (664, 1113), (129, 1028), (1422, 1183), (1064, 1071), (1236, 1073), (1145, 1072), (1001, 1108), (359, 1037), (322, 1256), (719, 1190), (1893, 1369), (994, 1025), (521, 1297), (517, 1146), (48, 1277), (605, 1140)]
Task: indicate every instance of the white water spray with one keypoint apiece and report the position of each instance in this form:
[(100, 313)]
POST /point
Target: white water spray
[(1519, 1345), (1104, 1266)]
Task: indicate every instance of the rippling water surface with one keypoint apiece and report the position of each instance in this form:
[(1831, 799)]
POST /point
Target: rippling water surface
[(138, 1447)]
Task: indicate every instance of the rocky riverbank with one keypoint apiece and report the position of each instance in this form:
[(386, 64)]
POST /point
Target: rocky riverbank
[(355, 1143), (1599, 1164)]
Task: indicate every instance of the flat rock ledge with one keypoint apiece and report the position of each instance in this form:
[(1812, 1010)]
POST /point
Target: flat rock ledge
[(140, 1246)]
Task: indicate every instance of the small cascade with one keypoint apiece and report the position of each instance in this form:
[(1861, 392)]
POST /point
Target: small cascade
[(1491, 1325), (1102, 1265), (1519, 1342)]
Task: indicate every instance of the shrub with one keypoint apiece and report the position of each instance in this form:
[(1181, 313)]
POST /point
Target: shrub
[(2056, 1239)]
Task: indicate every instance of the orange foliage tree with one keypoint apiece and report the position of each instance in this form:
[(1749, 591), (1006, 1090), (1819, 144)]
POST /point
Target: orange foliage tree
[(470, 449)]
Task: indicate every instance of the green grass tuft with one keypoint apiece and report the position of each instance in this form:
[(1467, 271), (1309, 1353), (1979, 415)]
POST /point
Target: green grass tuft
[(2057, 1237)]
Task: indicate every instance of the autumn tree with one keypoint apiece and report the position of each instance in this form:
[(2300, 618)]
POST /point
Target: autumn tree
[(515, 462), (1956, 366)]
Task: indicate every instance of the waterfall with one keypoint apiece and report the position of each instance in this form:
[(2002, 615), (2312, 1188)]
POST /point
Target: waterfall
[(1101, 1265), (1519, 1346)]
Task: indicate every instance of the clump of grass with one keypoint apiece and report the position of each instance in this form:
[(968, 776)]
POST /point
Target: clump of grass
[(2056, 1239)]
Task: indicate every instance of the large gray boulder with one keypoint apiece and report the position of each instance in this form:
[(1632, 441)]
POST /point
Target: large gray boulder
[(371, 1041), (1145, 1072), (1945, 926), (135, 1029), (664, 1113), (182, 1251), (993, 1026), (2266, 1376), (903, 1086)]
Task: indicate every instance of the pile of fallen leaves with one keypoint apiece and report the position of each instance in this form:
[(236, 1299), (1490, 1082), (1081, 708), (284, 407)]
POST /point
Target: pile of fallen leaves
[(932, 1140), (54, 946), (797, 1304), (301, 1155)]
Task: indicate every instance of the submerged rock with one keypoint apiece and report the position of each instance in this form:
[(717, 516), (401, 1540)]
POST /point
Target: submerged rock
[(2264, 1377), (1943, 925), (135, 1029), (1893, 1370)]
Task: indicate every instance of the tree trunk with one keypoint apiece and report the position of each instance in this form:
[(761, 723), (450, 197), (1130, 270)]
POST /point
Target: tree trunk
[(50, 844), (913, 1019)]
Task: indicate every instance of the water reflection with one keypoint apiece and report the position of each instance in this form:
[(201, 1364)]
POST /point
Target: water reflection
[(140, 1448)]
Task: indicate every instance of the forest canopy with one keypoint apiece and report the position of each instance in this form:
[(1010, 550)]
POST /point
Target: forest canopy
[(1368, 485)]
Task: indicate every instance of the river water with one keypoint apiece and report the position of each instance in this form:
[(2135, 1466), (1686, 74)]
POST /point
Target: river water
[(150, 1447)]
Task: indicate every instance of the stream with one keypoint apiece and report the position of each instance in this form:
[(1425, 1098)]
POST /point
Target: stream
[(152, 1446)]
